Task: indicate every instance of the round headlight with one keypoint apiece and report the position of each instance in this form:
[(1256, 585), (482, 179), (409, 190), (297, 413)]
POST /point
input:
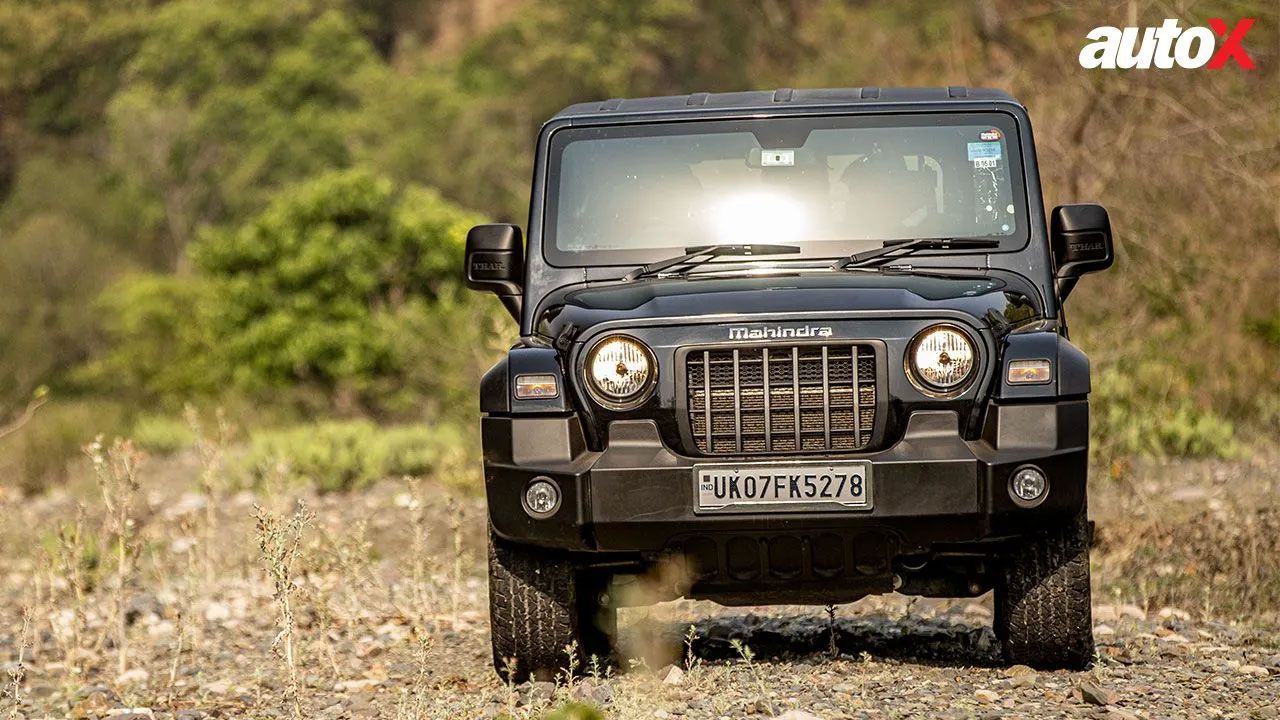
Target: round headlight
[(941, 358), (620, 371)]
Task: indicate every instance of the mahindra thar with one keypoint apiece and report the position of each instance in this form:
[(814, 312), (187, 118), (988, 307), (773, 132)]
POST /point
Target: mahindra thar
[(797, 346)]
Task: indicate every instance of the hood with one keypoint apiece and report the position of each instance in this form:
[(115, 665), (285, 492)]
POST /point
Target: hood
[(696, 298)]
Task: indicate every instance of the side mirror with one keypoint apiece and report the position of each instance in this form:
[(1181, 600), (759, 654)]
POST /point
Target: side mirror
[(1080, 236), (495, 263)]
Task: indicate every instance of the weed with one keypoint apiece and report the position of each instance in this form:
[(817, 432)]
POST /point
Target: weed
[(421, 561), (279, 539), (690, 660), (833, 649), (18, 672), (509, 676), (116, 471), (456, 518), (748, 658), (413, 704), (212, 451), (571, 667)]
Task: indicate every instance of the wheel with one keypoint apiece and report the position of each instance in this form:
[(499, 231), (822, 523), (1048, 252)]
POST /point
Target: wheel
[(541, 603), (1043, 614)]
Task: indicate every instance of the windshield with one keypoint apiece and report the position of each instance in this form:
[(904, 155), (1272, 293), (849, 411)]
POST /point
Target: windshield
[(626, 194)]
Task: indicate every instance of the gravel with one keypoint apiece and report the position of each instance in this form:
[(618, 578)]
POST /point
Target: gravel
[(893, 657)]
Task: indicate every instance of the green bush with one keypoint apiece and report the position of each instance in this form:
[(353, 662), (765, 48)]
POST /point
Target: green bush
[(305, 290), (574, 711), (162, 434), (38, 456), (160, 346), (1137, 414), (350, 455)]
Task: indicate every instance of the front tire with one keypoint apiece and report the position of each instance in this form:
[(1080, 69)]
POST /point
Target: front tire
[(541, 603), (1043, 617)]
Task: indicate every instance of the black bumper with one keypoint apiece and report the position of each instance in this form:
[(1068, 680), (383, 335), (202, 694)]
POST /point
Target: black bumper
[(932, 490)]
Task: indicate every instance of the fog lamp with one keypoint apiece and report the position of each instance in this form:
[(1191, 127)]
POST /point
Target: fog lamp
[(542, 498), (1028, 486)]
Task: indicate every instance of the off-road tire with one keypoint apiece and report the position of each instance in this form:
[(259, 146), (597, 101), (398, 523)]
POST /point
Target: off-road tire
[(1043, 615), (540, 602)]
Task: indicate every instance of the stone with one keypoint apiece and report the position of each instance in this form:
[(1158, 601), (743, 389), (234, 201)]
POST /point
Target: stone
[(798, 715), (671, 675), (1095, 694), (1255, 670), (1023, 681), (216, 612), (1103, 630), (986, 696), (536, 692), (133, 676), (92, 702), (217, 687), (362, 685), (597, 693)]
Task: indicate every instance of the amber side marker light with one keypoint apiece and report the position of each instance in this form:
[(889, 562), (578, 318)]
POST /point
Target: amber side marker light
[(534, 387), (1030, 372)]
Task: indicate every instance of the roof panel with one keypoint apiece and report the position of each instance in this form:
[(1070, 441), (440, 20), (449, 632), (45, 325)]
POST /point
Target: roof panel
[(776, 99)]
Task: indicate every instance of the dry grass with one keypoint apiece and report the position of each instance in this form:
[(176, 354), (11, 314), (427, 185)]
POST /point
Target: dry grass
[(380, 594)]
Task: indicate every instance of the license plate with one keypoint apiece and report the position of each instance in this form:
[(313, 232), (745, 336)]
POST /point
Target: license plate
[(766, 487)]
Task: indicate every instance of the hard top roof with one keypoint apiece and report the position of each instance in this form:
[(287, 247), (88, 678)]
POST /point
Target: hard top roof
[(700, 103)]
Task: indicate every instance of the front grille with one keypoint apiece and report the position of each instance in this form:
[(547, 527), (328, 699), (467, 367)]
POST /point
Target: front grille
[(747, 400)]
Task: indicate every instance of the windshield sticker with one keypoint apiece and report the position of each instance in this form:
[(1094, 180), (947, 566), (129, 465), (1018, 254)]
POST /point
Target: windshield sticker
[(778, 158), (984, 155), (984, 150), (989, 135)]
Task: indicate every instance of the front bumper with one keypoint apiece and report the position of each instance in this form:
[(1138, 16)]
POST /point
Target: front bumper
[(933, 490)]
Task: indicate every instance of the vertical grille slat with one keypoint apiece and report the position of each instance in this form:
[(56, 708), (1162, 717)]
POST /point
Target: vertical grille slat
[(768, 420), (795, 392), (737, 404), (767, 400), (706, 394), (826, 399), (857, 414)]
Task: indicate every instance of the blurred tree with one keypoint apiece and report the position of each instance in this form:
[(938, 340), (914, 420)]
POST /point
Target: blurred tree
[(160, 346), (52, 270), (304, 290), (225, 102)]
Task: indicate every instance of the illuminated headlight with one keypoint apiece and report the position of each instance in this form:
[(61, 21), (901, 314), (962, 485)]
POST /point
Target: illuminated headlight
[(941, 358), (620, 371)]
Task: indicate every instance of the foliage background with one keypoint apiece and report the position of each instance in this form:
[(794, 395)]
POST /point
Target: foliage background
[(260, 205)]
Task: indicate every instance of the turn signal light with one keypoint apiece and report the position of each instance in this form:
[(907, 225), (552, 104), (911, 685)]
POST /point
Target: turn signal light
[(1030, 372), (538, 386)]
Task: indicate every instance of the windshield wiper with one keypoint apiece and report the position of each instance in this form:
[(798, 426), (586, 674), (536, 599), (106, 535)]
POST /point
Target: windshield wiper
[(893, 249), (709, 252)]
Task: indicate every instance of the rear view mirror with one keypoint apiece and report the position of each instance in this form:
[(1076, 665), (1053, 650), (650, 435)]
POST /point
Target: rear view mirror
[(495, 263), (1080, 236)]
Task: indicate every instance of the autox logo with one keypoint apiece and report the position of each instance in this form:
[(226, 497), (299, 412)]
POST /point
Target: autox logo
[(1168, 45)]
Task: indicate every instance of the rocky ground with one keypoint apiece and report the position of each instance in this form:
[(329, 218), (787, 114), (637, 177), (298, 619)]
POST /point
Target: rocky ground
[(387, 598)]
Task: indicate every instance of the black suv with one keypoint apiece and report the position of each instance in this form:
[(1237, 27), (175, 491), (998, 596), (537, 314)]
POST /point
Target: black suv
[(799, 346)]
